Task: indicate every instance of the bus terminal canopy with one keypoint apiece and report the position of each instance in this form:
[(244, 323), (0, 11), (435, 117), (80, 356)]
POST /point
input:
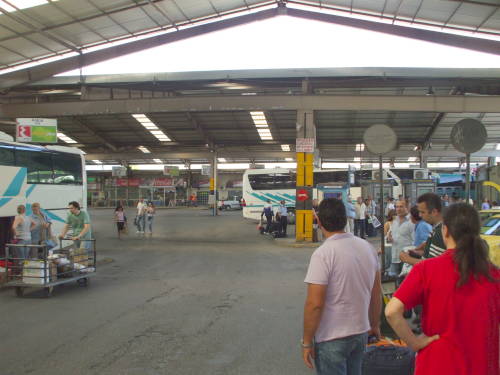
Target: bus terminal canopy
[(197, 113), (193, 115)]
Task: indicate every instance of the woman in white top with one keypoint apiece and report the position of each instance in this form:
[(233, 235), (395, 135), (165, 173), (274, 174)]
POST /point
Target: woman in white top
[(21, 229)]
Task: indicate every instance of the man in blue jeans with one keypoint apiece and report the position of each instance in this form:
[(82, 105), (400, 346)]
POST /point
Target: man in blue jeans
[(344, 297)]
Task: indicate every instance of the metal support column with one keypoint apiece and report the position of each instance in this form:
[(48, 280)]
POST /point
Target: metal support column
[(467, 178), (381, 207), (213, 185)]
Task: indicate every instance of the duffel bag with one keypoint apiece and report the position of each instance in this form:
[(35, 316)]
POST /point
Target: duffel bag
[(388, 359)]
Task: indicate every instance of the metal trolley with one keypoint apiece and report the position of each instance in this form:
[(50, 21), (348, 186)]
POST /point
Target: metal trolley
[(44, 269)]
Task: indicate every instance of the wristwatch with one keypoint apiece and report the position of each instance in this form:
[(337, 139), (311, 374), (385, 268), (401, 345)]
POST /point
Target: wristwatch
[(306, 346)]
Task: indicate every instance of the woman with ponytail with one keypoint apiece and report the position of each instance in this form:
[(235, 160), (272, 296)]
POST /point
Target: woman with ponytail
[(460, 294)]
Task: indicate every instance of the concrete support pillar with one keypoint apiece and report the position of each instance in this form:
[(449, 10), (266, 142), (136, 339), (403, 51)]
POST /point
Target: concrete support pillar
[(423, 160), (305, 174)]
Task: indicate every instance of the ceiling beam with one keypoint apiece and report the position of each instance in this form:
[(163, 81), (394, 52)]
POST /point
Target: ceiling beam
[(471, 43), (79, 122), (42, 71), (200, 129), (239, 154), (411, 103)]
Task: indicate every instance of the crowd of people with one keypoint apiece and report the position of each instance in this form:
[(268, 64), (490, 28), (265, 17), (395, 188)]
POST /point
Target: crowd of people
[(452, 281), (276, 221), (36, 229), (143, 220)]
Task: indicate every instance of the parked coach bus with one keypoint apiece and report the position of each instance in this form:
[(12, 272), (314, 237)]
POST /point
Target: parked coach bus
[(50, 175), (279, 184)]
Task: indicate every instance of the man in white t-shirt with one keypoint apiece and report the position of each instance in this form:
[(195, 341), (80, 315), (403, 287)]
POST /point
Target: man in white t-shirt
[(141, 216), (343, 297)]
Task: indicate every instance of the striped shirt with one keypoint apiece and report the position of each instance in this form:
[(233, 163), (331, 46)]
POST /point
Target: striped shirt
[(435, 246)]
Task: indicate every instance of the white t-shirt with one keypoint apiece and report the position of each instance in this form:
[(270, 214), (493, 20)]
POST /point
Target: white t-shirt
[(140, 208), (348, 265)]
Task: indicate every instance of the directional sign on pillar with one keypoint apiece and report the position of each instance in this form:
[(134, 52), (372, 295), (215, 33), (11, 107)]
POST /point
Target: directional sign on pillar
[(302, 195)]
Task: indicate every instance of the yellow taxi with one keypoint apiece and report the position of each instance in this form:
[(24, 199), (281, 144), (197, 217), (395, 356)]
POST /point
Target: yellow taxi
[(486, 214), (490, 232)]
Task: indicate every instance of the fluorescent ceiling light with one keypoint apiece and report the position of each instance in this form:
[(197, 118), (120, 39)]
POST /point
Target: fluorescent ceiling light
[(221, 160), (21, 4), (144, 149), (260, 122), (65, 138), (288, 159), (157, 161), (285, 147), (97, 161), (498, 146), (151, 127), (412, 158), (360, 147), (357, 159)]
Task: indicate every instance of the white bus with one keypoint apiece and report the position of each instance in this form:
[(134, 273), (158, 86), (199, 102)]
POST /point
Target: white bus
[(50, 175), (279, 184)]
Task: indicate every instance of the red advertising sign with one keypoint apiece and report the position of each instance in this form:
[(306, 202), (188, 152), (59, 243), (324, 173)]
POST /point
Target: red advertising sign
[(122, 182), (163, 181), (134, 181), (302, 195)]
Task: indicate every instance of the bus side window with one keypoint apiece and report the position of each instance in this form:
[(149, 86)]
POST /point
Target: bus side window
[(38, 164), (285, 181), (7, 155), (67, 168)]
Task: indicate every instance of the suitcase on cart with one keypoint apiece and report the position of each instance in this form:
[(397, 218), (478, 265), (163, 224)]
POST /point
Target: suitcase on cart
[(387, 357)]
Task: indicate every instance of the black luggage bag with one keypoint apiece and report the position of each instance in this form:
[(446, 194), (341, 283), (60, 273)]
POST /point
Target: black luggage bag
[(388, 360)]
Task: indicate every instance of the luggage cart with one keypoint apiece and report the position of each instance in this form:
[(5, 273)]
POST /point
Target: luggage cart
[(44, 269)]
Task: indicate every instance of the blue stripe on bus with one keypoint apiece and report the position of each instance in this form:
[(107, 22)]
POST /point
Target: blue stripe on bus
[(16, 184), (30, 190), (4, 201)]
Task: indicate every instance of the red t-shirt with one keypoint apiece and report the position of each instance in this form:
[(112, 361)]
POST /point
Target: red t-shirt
[(466, 319)]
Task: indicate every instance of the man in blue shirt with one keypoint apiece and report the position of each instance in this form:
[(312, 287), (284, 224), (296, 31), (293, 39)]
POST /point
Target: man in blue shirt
[(283, 218), (422, 229)]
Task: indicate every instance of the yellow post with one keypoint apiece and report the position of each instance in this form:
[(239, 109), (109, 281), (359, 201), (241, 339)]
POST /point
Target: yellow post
[(304, 217)]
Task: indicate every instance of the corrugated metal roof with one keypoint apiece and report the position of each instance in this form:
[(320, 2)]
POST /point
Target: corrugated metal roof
[(64, 26)]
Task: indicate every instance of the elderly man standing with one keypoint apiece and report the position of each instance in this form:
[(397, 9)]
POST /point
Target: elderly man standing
[(402, 235), (343, 297), (359, 220)]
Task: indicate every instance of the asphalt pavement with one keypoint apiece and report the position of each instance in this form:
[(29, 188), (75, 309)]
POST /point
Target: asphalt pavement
[(202, 295)]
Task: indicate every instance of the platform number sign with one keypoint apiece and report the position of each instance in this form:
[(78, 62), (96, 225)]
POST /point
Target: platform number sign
[(36, 130)]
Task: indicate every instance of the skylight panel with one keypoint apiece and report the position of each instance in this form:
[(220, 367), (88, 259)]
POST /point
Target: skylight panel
[(21, 4), (260, 122), (144, 149), (285, 147), (151, 127), (63, 137)]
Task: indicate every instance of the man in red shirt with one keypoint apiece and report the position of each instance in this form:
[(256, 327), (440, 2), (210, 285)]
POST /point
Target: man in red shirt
[(461, 303)]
